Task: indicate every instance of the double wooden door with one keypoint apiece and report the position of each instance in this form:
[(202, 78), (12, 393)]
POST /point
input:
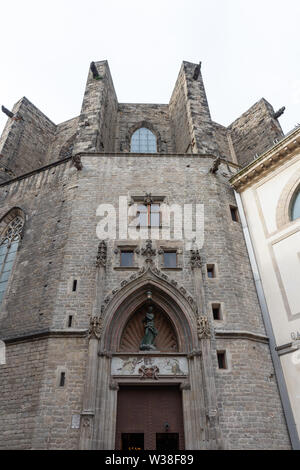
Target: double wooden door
[(149, 418)]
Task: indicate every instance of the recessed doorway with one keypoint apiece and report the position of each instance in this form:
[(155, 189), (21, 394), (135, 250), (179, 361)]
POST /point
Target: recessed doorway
[(149, 418)]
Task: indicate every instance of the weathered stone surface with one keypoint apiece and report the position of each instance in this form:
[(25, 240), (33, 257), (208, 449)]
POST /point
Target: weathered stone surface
[(60, 246)]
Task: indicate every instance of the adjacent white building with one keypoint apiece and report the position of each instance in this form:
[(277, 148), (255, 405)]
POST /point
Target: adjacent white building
[(268, 196)]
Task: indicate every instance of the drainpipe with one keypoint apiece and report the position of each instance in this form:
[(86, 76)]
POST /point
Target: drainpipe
[(287, 409)]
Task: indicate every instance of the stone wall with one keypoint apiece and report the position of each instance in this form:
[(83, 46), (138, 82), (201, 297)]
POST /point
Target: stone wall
[(54, 275), (59, 404), (35, 411), (180, 118), (193, 128), (60, 246), (254, 132), (223, 147), (20, 382), (63, 141), (24, 143), (153, 116), (46, 201), (251, 415), (97, 122)]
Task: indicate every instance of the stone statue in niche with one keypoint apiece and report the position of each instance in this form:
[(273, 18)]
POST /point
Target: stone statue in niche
[(147, 343)]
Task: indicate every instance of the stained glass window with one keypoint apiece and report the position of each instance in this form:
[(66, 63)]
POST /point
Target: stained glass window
[(295, 213), (143, 141), (9, 242)]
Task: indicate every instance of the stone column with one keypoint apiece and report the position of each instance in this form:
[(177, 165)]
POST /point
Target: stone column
[(95, 331), (194, 405), (106, 406), (213, 433)]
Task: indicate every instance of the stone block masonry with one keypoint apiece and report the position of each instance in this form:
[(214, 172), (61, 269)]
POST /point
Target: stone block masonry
[(59, 175)]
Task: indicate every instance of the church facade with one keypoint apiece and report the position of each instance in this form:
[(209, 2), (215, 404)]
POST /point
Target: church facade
[(121, 328)]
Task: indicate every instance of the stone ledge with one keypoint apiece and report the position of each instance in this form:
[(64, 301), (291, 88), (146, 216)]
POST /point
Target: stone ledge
[(236, 334), (42, 334)]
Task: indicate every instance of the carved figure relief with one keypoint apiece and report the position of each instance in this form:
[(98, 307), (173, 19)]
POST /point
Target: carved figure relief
[(137, 332), (150, 331), (149, 372)]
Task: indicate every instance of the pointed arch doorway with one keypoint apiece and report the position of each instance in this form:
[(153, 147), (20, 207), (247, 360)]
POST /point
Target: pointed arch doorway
[(149, 414), (126, 377)]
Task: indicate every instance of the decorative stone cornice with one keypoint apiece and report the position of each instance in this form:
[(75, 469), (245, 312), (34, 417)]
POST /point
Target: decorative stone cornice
[(195, 260), (148, 199), (148, 251), (239, 334), (194, 353), (104, 353), (215, 166), (113, 385), (186, 385), (102, 254), (149, 269), (96, 327), (42, 334), (149, 372), (267, 162), (203, 328), (77, 162)]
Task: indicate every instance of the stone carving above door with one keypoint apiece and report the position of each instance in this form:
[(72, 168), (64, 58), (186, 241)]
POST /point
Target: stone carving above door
[(135, 366), (148, 272)]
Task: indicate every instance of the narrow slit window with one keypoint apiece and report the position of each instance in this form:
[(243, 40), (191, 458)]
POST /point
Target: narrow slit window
[(74, 288), (216, 310), (62, 379), (222, 363), (211, 271), (70, 321), (234, 213)]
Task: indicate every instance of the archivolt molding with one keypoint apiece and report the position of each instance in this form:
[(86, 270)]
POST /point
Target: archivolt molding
[(157, 273), (285, 200), (169, 295)]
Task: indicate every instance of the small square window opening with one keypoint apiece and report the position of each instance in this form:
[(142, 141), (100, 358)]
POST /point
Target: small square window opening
[(126, 258), (170, 259), (211, 272)]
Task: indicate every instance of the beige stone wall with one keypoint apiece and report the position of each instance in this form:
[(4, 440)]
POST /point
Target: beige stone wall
[(60, 246), (24, 142), (20, 381), (254, 132)]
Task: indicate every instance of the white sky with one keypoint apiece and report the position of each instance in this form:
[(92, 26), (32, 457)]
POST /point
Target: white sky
[(248, 48)]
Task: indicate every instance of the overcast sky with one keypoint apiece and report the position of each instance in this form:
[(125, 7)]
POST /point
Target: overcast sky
[(248, 49)]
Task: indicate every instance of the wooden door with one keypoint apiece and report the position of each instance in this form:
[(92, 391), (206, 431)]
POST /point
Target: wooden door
[(149, 418)]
